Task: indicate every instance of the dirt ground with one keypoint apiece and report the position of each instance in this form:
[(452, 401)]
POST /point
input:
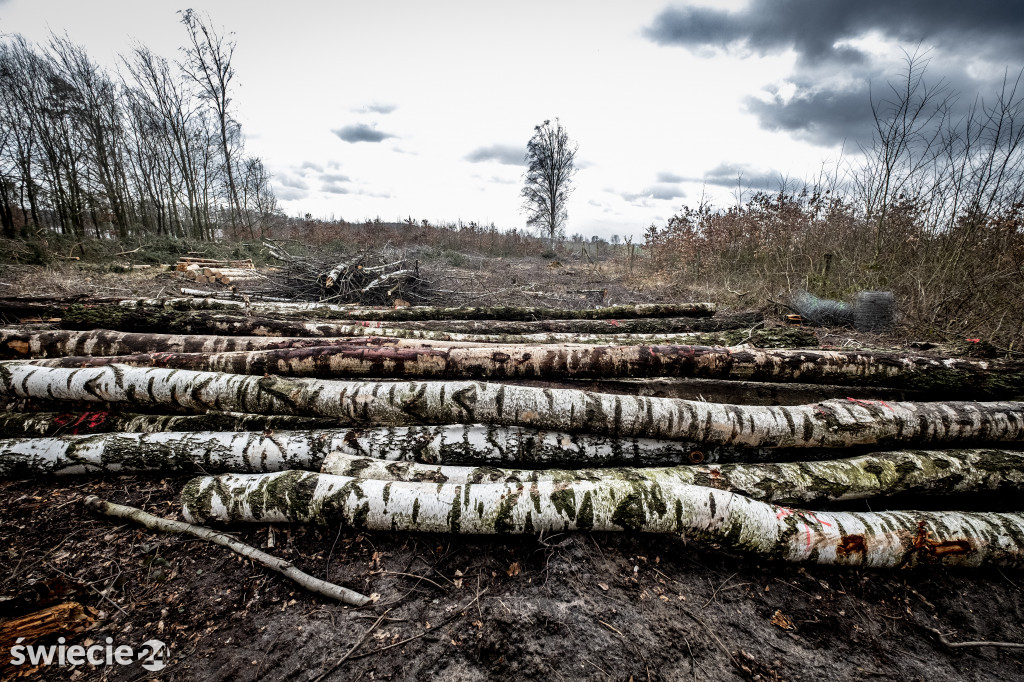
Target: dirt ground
[(568, 607)]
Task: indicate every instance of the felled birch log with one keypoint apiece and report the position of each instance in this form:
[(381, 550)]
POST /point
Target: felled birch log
[(977, 377), (835, 423), (880, 539), (155, 450), (329, 311), (170, 452), (659, 325), (936, 472), (285, 568), (148, 320), (16, 343), (34, 424)]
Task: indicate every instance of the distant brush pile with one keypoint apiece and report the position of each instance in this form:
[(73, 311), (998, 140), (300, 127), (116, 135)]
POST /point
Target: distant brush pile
[(870, 311)]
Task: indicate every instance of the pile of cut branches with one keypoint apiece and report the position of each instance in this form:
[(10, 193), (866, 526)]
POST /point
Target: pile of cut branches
[(381, 277)]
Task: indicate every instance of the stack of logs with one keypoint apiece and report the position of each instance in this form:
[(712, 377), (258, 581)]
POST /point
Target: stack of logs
[(525, 420), (208, 271)]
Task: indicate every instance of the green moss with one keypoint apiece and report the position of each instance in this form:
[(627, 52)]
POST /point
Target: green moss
[(585, 517), (564, 501), (503, 516)]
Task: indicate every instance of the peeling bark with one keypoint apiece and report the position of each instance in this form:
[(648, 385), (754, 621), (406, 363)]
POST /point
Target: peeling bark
[(979, 378), (30, 424), (881, 539), (832, 424), (936, 472)]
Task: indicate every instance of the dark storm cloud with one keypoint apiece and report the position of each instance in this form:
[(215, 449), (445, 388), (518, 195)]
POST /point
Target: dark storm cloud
[(821, 115), (813, 27), (509, 155), (361, 133), (829, 100)]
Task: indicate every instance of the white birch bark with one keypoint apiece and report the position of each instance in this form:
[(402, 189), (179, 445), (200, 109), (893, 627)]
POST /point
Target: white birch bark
[(167, 452), (881, 539), (831, 424), (938, 472), (264, 451)]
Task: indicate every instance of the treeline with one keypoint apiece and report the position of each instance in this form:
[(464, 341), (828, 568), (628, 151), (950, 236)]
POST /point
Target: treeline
[(933, 209), (150, 148)]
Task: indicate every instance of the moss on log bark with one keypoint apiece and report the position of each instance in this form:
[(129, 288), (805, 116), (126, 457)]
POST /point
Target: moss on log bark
[(833, 424), (932, 472), (882, 539), (976, 378)]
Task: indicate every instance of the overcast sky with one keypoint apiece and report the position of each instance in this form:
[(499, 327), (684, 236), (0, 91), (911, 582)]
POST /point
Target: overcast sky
[(394, 109)]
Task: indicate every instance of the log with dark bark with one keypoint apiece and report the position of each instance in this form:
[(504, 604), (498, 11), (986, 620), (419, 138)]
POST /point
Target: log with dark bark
[(339, 312), (939, 376), (880, 539), (649, 325), (31, 424), (835, 423)]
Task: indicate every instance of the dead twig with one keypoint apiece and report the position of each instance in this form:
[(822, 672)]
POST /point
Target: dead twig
[(315, 585), (355, 646), (963, 645)]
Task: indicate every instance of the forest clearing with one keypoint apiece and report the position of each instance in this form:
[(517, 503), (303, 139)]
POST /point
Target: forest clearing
[(706, 490)]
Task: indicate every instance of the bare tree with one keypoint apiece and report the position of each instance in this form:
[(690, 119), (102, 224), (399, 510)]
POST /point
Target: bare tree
[(550, 156), (208, 63)]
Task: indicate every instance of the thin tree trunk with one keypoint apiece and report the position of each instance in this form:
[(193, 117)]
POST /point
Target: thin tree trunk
[(934, 472), (978, 378), (836, 423), (880, 539)]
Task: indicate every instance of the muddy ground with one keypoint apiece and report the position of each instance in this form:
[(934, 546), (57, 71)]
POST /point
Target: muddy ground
[(568, 607)]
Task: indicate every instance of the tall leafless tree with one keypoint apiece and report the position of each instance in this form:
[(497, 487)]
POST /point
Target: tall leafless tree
[(208, 63), (550, 158)]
